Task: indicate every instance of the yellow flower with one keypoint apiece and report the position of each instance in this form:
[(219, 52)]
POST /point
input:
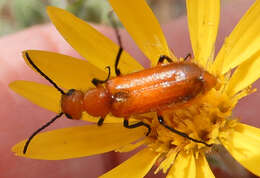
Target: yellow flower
[(208, 119)]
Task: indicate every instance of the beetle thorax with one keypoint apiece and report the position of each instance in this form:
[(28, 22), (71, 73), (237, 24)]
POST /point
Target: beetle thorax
[(97, 102)]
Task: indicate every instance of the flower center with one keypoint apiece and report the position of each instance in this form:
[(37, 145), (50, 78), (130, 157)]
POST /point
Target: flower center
[(201, 120), (204, 119)]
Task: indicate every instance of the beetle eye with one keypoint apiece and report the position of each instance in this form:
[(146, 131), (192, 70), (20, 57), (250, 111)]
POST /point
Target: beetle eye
[(70, 92)]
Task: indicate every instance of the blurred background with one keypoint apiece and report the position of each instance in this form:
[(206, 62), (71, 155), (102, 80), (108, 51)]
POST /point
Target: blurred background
[(18, 14)]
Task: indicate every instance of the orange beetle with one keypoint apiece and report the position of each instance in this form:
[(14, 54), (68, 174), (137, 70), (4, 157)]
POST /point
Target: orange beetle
[(163, 87)]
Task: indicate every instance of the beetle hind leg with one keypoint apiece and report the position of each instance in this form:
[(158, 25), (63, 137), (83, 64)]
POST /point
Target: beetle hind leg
[(161, 121), (138, 124)]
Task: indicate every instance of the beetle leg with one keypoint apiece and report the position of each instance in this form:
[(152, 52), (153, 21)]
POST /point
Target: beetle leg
[(117, 71), (162, 58), (100, 121), (96, 82), (187, 56), (161, 121), (138, 124)]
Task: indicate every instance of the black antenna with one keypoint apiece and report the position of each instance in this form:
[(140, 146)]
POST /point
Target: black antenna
[(55, 86), (42, 74), (40, 129), (114, 25)]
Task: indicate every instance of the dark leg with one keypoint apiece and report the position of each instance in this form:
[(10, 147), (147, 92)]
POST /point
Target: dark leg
[(187, 56), (96, 82), (112, 21), (162, 58), (161, 121), (117, 71), (138, 124), (100, 121)]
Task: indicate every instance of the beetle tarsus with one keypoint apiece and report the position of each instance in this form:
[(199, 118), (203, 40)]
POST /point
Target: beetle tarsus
[(138, 124), (164, 57), (161, 121), (100, 121), (96, 82)]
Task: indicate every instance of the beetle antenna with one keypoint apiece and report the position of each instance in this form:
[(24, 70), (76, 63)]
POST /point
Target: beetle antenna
[(114, 25), (40, 129), (42, 74)]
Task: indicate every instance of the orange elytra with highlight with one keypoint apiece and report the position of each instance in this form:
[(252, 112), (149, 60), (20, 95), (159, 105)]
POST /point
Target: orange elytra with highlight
[(152, 90)]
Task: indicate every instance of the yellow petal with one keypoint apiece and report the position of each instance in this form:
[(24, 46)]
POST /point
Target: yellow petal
[(65, 71), (132, 146), (243, 144), (167, 162), (42, 95), (242, 43), (183, 167), (143, 27), (246, 74), (78, 142), (137, 166), (203, 19), (89, 43), (203, 170)]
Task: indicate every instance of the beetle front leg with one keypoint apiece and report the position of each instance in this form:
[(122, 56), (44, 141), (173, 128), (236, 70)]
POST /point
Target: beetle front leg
[(138, 124), (96, 82)]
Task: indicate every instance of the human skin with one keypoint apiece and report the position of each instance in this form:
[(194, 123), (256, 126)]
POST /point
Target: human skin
[(19, 118)]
